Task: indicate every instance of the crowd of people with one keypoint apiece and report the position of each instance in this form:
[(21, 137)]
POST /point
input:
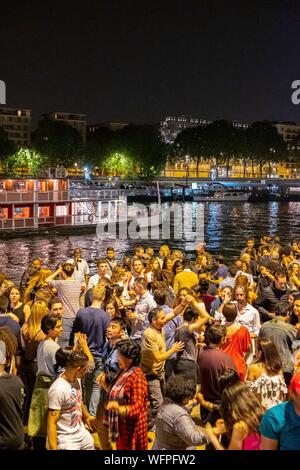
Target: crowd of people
[(133, 348)]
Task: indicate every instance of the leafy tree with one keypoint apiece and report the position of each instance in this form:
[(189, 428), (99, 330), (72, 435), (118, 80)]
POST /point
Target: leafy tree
[(100, 145), (222, 142), (146, 148), (25, 160), (119, 164), (219, 140), (59, 142), (128, 151), (192, 142), (264, 144)]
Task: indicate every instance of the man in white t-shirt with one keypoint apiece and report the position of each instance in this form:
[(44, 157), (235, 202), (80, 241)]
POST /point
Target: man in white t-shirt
[(101, 274), (81, 267), (67, 414)]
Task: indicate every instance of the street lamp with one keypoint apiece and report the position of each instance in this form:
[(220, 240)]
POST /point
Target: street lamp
[(187, 159)]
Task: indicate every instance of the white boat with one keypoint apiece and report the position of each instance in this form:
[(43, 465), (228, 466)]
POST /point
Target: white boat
[(119, 212), (222, 196)]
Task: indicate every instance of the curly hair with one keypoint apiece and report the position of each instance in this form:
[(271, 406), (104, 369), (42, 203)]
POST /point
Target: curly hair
[(76, 359), (130, 349), (179, 389)]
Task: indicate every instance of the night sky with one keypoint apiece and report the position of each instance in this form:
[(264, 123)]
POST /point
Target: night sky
[(139, 61)]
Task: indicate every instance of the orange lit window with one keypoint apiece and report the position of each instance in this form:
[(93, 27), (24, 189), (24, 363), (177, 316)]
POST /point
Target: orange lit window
[(43, 185), (44, 211), (21, 212), (3, 213)]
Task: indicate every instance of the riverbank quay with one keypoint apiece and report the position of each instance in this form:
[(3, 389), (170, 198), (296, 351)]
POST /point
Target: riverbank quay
[(42, 206), (184, 189)]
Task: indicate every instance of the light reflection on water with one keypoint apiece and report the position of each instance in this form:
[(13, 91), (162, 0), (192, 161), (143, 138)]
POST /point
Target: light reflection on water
[(227, 226)]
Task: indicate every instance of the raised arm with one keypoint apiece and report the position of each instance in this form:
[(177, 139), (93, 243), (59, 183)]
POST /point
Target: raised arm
[(53, 276)]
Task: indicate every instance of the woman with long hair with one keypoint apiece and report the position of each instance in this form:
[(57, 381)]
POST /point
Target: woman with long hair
[(32, 326), (164, 252), (241, 412), (152, 270), (20, 311), (112, 309), (36, 283), (167, 270), (293, 274), (31, 336), (177, 267), (202, 262), (126, 413), (265, 375)]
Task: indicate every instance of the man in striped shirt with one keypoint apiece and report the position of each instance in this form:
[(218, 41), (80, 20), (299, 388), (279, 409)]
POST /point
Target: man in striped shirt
[(68, 290)]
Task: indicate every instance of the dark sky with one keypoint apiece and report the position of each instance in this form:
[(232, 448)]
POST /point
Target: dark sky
[(139, 61)]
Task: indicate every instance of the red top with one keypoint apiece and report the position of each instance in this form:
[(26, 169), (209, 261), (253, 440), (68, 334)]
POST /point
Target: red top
[(133, 428), (236, 345)]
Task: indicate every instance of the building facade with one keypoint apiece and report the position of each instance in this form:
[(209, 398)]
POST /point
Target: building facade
[(16, 122), (171, 126), (236, 169), (288, 130), (78, 121)]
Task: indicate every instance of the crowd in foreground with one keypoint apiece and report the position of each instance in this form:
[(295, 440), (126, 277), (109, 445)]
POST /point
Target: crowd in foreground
[(136, 346)]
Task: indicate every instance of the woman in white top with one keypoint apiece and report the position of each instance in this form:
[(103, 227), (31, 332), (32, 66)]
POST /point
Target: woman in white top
[(265, 376), (152, 269)]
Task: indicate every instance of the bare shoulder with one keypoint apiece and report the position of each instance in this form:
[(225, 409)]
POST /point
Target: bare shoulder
[(241, 428), (254, 372)]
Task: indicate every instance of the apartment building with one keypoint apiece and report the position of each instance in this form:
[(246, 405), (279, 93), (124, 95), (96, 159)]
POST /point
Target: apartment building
[(78, 121), (16, 122)]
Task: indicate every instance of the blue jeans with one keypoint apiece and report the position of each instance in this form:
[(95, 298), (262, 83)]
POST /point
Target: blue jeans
[(67, 336), (92, 389)]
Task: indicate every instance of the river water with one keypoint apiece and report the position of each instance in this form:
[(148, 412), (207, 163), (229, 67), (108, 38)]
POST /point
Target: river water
[(226, 228)]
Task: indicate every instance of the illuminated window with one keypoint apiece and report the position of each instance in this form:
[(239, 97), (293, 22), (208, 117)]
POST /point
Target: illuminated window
[(3, 213), (61, 210), (44, 211), (21, 213)]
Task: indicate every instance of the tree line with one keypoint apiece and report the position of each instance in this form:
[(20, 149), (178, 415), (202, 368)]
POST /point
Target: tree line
[(139, 150)]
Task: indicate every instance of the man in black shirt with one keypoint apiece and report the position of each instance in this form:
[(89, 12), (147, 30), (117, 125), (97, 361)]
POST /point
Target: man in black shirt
[(269, 297)]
